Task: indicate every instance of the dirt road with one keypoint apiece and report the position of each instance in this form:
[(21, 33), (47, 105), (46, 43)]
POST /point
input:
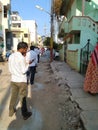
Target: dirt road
[(52, 101), (49, 102), (45, 97)]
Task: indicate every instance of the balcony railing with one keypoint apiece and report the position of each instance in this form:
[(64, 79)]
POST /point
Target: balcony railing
[(77, 23)]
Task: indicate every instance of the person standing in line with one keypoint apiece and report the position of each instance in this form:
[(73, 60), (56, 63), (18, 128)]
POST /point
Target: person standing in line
[(37, 50), (91, 78), (18, 68), (31, 55)]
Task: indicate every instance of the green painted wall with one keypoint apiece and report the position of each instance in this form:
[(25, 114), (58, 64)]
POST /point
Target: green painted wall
[(89, 6), (86, 28), (61, 53), (94, 15)]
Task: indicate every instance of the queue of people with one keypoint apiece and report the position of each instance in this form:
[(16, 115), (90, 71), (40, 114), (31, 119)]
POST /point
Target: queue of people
[(22, 66), (31, 55)]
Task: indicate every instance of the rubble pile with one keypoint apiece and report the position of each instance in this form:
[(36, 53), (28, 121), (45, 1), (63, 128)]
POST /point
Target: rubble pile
[(69, 109)]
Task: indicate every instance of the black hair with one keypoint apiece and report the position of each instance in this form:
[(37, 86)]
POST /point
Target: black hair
[(32, 47), (22, 45)]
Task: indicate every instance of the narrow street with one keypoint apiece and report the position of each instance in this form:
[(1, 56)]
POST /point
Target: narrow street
[(48, 100)]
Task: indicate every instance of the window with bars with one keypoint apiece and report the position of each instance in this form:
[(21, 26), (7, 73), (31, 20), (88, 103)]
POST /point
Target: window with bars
[(5, 11), (25, 35)]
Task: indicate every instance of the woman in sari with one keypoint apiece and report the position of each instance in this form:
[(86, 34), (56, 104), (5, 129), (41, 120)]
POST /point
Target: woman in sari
[(91, 78)]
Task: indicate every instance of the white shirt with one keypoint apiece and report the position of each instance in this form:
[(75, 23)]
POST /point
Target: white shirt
[(17, 67), (31, 55), (37, 51)]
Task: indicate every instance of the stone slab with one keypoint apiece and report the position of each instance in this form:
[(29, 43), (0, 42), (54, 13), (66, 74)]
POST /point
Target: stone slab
[(75, 84), (90, 120), (89, 103), (79, 93)]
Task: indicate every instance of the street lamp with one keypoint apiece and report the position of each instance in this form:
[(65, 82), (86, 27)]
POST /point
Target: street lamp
[(42, 9), (51, 39)]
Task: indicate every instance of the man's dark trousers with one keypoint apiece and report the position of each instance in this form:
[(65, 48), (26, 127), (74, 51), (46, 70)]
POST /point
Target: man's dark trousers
[(32, 70)]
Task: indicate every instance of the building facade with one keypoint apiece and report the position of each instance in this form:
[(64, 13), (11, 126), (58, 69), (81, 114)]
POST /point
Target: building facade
[(32, 28), (13, 29), (80, 28), (22, 30), (5, 21)]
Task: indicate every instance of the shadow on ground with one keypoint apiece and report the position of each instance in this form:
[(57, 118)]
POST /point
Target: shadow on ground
[(33, 123)]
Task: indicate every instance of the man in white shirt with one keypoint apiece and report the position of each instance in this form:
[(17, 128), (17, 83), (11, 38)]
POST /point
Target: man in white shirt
[(37, 50), (31, 56), (18, 69)]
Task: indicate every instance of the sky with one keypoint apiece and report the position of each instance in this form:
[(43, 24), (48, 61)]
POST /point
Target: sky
[(28, 11)]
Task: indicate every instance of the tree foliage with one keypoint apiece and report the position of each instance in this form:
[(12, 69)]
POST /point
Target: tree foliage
[(61, 33), (62, 8), (47, 43), (59, 7)]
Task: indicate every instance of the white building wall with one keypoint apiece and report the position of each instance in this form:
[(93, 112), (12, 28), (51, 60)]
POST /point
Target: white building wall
[(4, 22), (96, 1), (31, 25), (5, 1), (15, 41)]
